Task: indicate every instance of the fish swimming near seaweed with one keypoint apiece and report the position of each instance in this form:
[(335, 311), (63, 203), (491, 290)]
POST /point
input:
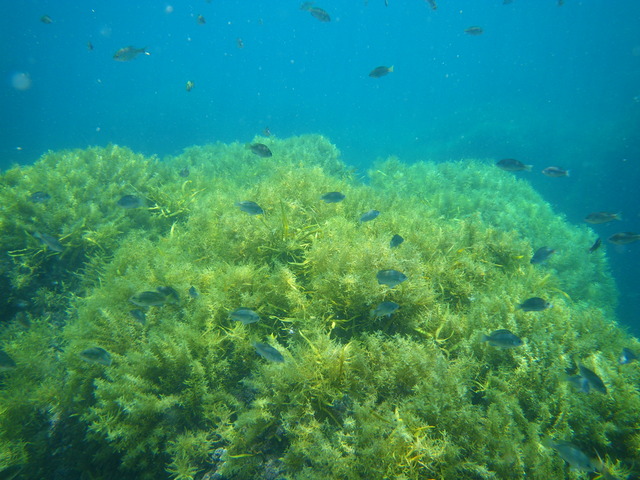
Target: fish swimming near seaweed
[(333, 197), (268, 352), (513, 165), (252, 208), (596, 245), (502, 338), (575, 457), (368, 216), (260, 149), (384, 309), (597, 218), (555, 172), (391, 278), (541, 255), (244, 316), (148, 299), (396, 241), (127, 54), (130, 202), (534, 304), (587, 380), (96, 355), (624, 238), (50, 242)]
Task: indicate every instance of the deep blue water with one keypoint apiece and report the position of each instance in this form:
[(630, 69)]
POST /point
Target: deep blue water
[(548, 85)]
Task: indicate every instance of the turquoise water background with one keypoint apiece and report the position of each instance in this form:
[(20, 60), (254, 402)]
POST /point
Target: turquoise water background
[(546, 84)]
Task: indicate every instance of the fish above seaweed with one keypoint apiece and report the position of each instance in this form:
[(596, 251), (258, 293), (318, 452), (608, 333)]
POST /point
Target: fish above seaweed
[(513, 165), (396, 241), (50, 242), (368, 216), (268, 352), (555, 172), (260, 149), (316, 12), (624, 238), (6, 362), (627, 356), (148, 299), (597, 218), (252, 208), (391, 278), (244, 316), (127, 54), (139, 315), (474, 31), (333, 197), (171, 296), (596, 245), (534, 304), (587, 380), (380, 71), (502, 338), (384, 309), (130, 202), (542, 255), (39, 197), (573, 456), (193, 293), (96, 355)]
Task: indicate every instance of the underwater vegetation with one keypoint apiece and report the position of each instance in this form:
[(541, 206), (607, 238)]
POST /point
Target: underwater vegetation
[(194, 339)]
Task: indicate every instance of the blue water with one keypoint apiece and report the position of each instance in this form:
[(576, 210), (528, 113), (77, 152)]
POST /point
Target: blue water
[(548, 85)]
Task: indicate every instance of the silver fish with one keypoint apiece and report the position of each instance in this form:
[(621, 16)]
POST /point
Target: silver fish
[(244, 316), (268, 352), (502, 338)]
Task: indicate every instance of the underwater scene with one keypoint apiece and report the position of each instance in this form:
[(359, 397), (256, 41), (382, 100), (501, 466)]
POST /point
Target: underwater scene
[(365, 239)]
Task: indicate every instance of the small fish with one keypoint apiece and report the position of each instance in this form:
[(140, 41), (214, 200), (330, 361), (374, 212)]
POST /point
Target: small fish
[(475, 31), (89, 46), (193, 293), (266, 132), (200, 20), (555, 172), (542, 255), (502, 338), (244, 316), (51, 242), (384, 309), (624, 238), (170, 294), (534, 304), (627, 356), (268, 352), (595, 246), (239, 43), (317, 12), (587, 380), (396, 241), (597, 218), (513, 165), (139, 315), (432, 4), (96, 355), (189, 86), (368, 216), (46, 19), (127, 54), (130, 201), (391, 278), (252, 208), (148, 299), (260, 149), (185, 172), (39, 197), (6, 362), (332, 197), (573, 456), (380, 71)]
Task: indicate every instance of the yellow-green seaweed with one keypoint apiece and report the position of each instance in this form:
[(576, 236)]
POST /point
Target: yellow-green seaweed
[(416, 395)]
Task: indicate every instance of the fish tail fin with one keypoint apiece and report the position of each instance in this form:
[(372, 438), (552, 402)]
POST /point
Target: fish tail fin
[(391, 69), (617, 216), (528, 167), (484, 338), (568, 173)]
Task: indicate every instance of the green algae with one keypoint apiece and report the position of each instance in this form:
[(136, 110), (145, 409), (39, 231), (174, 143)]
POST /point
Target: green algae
[(417, 395)]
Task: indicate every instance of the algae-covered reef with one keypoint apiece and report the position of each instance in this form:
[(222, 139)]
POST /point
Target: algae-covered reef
[(184, 390)]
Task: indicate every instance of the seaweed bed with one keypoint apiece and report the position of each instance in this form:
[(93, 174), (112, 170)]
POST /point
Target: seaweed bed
[(415, 395)]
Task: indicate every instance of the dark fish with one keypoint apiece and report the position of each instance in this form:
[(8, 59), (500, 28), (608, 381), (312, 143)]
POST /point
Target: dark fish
[(555, 172), (573, 456), (51, 242), (432, 4), (502, 338), (260, 149), (591, 381), (139, 315), (396, 241), (627, 356), (39, 197), (89, 46), (534, 304), (268, 352), (6, 362), (542, 255), (380, 71), (189, 86), (46, 19), (148, 299), (127, 54), (624, 238), (317, 12), (390, 278), (239, 43), (200, 19), (368, 216), (266, 132), (475, 31), (332, 197), (252, 208), (601, 217), (384, 309), (96, 355), (170, 294), (596, 245), (193, 293), (513, 165), (244, 316), (185, 172), (130, 201)]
